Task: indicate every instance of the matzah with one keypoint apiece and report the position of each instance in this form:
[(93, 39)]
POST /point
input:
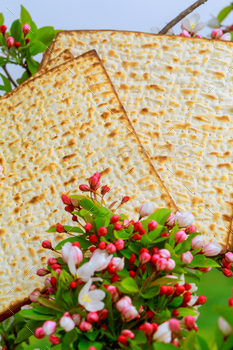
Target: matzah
[(178, 94), (46, 56), (54, 134)]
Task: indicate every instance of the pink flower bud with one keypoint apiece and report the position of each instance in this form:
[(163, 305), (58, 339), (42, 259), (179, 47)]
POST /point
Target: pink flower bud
[(119, 244), (118, 263), (229, 257), (85, 326), (146, 328), (144, 258), (182, 26), (77, 319), (34, 296), (154, 258), (187, 257), (174, 325), (197, 242), (184, 33), (104, 190), (180, 236), (94, 182), (26, 29), (170, 222), (226, 37), (66, 200), (152, 225), (103, 314), (113, 291), (52, 261), (191, 229), (92, 317), (92, 348), (164, 253), (146, 209), (123, 302), (125, 199), (111, 248), (199, 36), (216, 33), (10, 42), (49, 327), (84, 188), (224, 326), (129, 313), (211, 249), (42, 272), (128, 334), (54, 339), (189, 322), (205, 269), (170, 265), (67, 323), (3, 29), (227, 272), (161, 264), (125, 222), (46, 244), (39, 333)]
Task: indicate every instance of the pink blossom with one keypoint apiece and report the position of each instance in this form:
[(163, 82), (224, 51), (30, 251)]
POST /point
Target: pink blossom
[(161, 264), (164, 253), (211, 249), (187, 257), (226, 37), (144, 258), (125, 223), (180, 236), (163, 333), (92, 317), (113, 291), (42, 272), (49, 327), (119, 244), (170, 265), (216, 33), (111, 248), (199, 36), (224, 326), (39, 333), (191, 229), (77, 319), (94, 182), (174, 325), (127, 333), (66, 200), (197, 242), (146, 328), (189, 322), (67, 323), (123, 302), (129, 313), (152, 225), (85, 326), (118, 263), (34, 296), (184, 33), (10, 42), (146, 209), (229, 257), (26, 29)]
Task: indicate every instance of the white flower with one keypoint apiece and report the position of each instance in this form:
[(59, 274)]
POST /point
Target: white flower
[(226, 37), (118, 264), (91, 300), (67, 323), (184, 219), (163, 333), (146, 209), (182, 282), (192, 24), (75, 257), (193, 299), (65, 251), (213, 22), (224, 326), (211, 248)]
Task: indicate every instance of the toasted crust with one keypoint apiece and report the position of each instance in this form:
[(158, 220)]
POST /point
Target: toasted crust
[(55, 136), (159, 80)]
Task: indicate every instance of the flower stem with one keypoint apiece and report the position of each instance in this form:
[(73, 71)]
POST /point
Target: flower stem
[(8, 76)]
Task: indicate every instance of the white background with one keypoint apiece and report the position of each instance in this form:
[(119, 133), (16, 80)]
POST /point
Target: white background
[(137, 15)]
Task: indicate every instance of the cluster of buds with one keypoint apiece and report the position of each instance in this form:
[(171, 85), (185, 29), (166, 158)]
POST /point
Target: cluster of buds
[(127, 310), (226, 264), (10, 41), (48, 328), (94, 184)]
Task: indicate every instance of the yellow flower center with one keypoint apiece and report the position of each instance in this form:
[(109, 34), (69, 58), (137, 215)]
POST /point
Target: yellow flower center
[(192, 26), (86, 298)]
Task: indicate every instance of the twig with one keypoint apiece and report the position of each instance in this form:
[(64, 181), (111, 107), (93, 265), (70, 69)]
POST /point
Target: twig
[(181, 16), (8, 76), (28, 71)]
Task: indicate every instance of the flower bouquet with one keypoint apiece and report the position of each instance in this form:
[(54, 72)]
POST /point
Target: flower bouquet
[(116, 283)]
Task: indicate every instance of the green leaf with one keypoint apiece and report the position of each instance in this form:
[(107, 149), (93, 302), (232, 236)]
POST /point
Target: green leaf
[(7, 84), (171, 240), (37, 47), (163, 346), (186, 312), (155, 233), (201, 261), (53, 229), (203, 344), (83, 242), (20, 81), (176, 302), (1, 19), (224, 13), (160, 216), (25, 16), (32, 65), (130, 285), (69, 339), (189, 342), (3, 41), (164, 280), (27, 331), (16, 30), (6, 324), (151, 292), (88, 205), (145, 240), (84, 344), (46, 35), (140, 338), (32, 315), (3, 61), (122, 234), (135, 248), (73, 229), (49, 303), (228, 343)]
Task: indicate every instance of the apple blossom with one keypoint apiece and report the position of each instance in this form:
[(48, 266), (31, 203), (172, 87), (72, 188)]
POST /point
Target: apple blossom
[(146, 209), (77, 319), (119, 244), (91, 300), (211, 249), (144, 258), (184, 33), (118, 263), (180, 236), (164, 253), (152, 225), (197, 242), (224, 326), (163, 333), (213, 22), (216, 33), (192, 24), (10, 42), (191, 229), (170, 265), (39, 333), (110, 248), (229, 257), (67, 323), (75, 257), (174, 325), (85, 326), (129, 313), (161, 264), (113, 291), (49, 327), (184, 220), (127, 333), (187, 257), (92, 317), (123, 302), (226, 37)]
